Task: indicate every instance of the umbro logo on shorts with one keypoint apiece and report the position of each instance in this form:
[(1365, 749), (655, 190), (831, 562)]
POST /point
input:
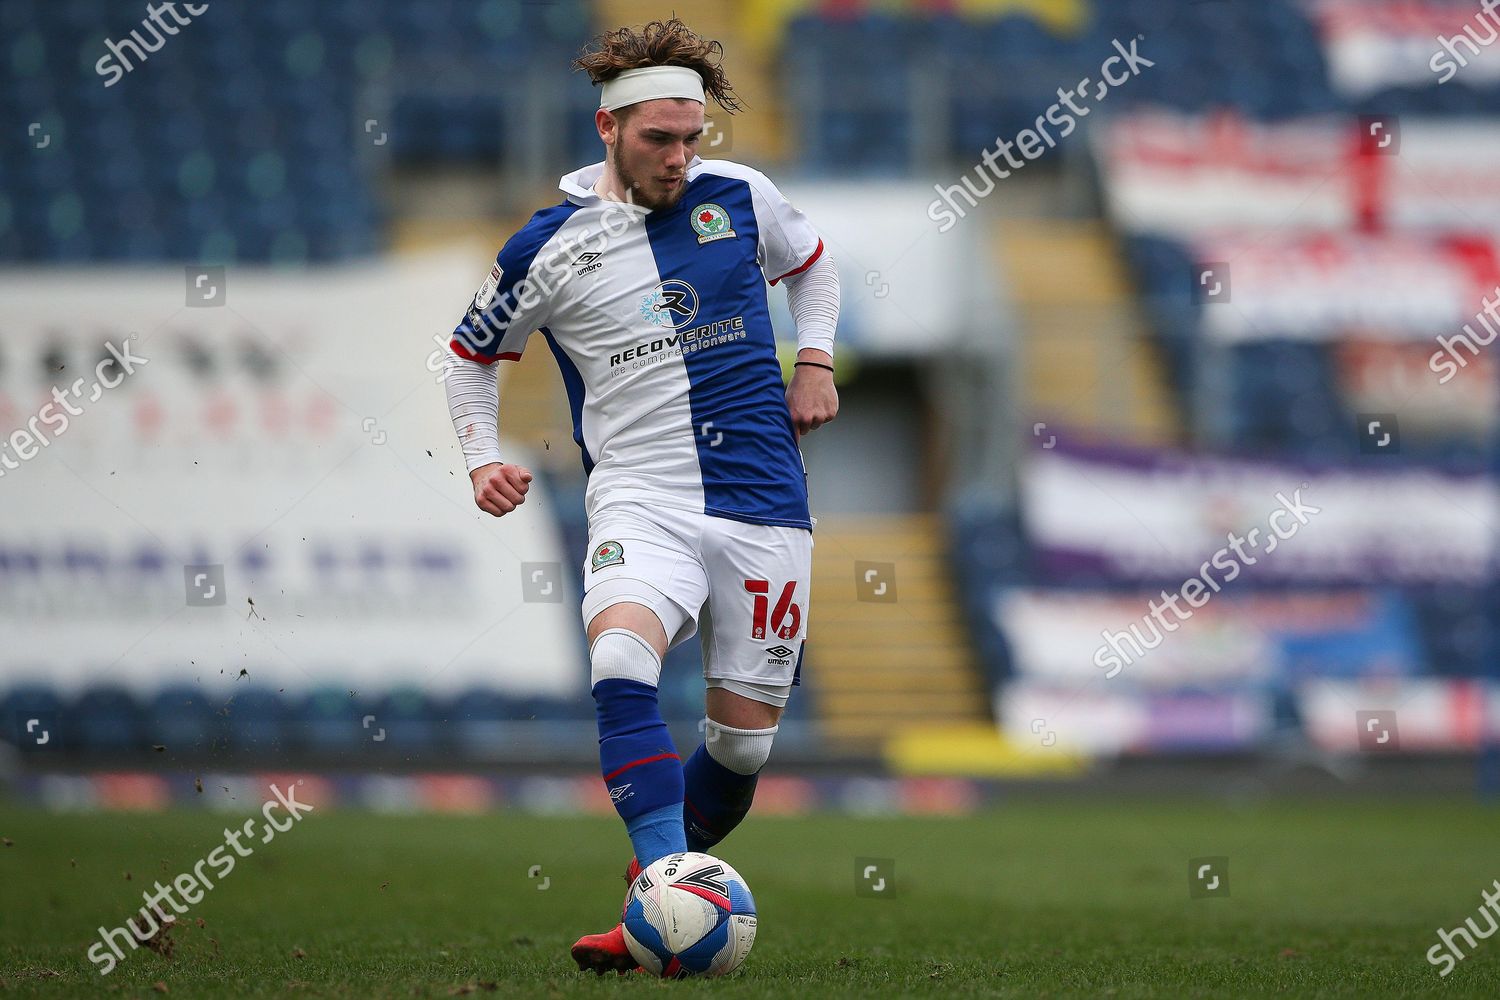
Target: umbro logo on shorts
[(780, 656)]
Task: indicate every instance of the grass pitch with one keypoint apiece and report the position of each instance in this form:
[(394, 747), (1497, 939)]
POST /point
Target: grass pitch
[(1057, 899)]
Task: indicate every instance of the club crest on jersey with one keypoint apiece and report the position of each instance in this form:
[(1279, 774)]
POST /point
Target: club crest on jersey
[(711, 223), (486, 293), (671, 303), (608, 554)]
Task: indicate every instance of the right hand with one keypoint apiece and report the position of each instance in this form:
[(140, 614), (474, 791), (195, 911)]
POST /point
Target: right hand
[(500, 488)]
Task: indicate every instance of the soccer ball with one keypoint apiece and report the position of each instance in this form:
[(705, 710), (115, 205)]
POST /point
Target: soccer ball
[(689, 915)]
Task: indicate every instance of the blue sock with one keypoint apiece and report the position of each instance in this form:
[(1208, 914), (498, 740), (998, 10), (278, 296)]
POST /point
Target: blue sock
[(716, 799), (657, 833), (641, 768)]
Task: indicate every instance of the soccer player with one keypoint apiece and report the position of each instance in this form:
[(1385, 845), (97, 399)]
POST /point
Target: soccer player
[(648, 283)]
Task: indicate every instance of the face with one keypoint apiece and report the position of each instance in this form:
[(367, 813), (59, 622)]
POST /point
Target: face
[(651, 148)]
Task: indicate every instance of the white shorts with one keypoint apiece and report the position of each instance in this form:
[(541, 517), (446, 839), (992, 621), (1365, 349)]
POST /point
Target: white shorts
[(745, 586)]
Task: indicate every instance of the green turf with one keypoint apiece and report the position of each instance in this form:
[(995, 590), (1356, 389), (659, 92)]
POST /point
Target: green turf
[(1031, 900)]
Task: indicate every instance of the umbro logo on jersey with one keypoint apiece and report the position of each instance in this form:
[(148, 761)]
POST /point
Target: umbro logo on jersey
[(621, 792), (591, 260), (780, 656)]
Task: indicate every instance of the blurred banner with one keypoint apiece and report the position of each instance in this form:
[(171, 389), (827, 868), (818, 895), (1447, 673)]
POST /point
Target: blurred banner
[(1132, 515), (276, 490), (1183, 174), (1108, 720), (1427, 713), (1379, 377), (1317, 286), (1430, 714), (1371, 45), (1237, 640), (1344, 667), (460, 793)]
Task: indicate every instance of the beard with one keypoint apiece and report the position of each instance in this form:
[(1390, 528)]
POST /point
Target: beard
[(640, 191)]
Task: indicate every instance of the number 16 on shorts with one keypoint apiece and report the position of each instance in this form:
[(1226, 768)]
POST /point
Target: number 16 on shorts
[(785, 618)]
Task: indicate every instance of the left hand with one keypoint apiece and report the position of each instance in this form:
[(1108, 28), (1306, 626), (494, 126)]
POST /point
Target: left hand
[(811, 398)]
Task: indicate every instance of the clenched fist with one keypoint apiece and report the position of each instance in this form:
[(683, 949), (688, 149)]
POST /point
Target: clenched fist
[(500, 488), (811, 397)]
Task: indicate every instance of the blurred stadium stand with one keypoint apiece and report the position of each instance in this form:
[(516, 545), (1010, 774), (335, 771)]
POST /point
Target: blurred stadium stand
[(263, 140), (245, 145)]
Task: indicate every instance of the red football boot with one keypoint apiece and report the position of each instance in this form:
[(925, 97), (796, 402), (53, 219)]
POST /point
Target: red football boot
[(605, 952), (632, 872), (608, 952)]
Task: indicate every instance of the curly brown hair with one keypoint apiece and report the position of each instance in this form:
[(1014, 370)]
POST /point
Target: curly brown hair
[(660, 43)]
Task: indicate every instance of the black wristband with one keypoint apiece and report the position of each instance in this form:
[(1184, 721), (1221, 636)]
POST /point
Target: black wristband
[(815, 364)]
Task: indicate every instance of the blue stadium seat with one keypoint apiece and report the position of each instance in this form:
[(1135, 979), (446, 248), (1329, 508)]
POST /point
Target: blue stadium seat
[(1285, 400), (988, 552), (1457, 625), (105, 719), (545, 709), (480, 718), (23, 702), (1163, 270), (1264, 59), (184, 720), (410, 720), (328, 721), (256, 718), (278, 74)]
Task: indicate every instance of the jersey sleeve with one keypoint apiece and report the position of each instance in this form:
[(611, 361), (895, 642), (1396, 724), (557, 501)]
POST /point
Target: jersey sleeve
[(508, 306), (788, 242)]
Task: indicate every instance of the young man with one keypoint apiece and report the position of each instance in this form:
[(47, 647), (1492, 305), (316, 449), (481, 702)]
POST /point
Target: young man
[(648, 283)]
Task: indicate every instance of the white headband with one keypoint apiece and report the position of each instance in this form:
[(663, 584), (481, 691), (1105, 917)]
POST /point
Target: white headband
[(650, 83)]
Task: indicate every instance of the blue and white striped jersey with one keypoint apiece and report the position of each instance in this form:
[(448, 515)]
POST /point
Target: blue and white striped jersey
[(659, 325)]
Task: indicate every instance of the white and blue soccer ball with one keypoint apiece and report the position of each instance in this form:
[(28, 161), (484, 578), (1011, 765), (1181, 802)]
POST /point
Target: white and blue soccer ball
[(689, 915)]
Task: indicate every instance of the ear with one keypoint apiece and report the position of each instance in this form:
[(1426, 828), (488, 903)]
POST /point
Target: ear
[(607, 125)]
